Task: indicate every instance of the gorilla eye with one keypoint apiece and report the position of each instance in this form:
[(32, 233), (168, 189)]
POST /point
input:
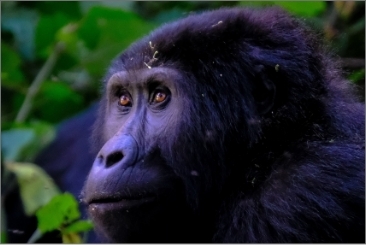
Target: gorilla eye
[(159, 97), (124, 100)]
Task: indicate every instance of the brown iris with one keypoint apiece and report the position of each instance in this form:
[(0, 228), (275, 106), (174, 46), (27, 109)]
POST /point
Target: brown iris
[(159, 97), (124, 100)]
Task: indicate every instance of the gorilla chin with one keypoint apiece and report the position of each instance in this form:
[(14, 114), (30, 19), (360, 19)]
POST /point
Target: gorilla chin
[(140, 207), (145, 219)]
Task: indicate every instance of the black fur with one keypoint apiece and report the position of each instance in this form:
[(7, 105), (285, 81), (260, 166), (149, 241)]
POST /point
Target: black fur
[(293, 172)]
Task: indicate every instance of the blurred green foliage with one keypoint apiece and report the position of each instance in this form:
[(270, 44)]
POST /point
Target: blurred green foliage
[(36, 188), (90, 35), (95, 32), (66, 219)]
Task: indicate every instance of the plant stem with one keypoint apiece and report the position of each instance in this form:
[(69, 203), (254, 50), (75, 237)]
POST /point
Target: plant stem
[(35, 236), (36, 84)]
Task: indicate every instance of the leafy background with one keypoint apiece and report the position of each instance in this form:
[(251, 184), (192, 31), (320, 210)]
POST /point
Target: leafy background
[(54, 54)]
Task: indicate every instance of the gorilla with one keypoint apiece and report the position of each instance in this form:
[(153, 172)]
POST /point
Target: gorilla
[(232, 125)]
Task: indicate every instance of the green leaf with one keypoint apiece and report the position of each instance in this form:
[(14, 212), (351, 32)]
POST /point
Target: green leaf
[(46, 32), (69, 8), (303, 8), (169, 15), (3, 237), (36, 187), (256, 4), (113, 30), (45, 133), (14, 141), (357, 76), (68, 36), (11, 74), (57, 101), (78, 226), (21, 23), (62, 209), (23, 143)]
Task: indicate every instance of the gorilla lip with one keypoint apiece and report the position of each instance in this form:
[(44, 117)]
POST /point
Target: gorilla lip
[(120, 202)]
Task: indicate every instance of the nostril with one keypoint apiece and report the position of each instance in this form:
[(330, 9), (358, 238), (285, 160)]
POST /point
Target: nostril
[(113, 158)]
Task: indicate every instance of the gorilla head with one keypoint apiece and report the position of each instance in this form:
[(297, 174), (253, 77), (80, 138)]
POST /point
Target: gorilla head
[(226, 127)]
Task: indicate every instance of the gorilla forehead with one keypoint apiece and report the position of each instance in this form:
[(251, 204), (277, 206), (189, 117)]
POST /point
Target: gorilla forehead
[(203, 36), (142, 77)]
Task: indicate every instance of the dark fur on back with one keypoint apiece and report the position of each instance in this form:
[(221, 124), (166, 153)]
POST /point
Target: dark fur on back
[(294, 174)]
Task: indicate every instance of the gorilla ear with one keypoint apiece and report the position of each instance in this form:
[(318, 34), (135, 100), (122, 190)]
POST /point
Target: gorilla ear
[(264, 91)]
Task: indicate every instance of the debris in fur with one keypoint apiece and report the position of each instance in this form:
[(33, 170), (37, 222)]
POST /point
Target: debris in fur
[(151, 46), (218, 23), (277, 67), (147, 65)]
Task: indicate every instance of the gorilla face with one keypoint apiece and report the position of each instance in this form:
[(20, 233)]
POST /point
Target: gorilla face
[(133, 192)]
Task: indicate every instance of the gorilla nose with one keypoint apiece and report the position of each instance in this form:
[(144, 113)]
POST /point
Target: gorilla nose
[(113, 158), (121, 150)]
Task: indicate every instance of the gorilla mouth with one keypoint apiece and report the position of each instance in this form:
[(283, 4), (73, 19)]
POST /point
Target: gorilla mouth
[(120, 202)]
